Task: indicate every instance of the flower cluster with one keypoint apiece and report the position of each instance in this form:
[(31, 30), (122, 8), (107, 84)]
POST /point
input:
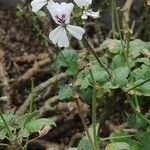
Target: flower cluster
[(61, 13)]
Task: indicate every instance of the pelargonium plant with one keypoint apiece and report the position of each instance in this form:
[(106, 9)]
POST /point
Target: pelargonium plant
[(61, 14)]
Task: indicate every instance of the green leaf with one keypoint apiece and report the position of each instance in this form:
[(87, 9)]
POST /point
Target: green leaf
[(36, 125), (120, 75), (146, 141), (24, 119), (8, 118), (145, 88), (85, 94), (68, 58), (3, 134), (118, 146), (84, 144), (120, 136), (23, 133), (28, 124), (136, 121), (83, 83), (113, 45), (117, 61), (137, 47), (72, 68), (40, 13), (146, 61), (108, 86), (65, 92), (99, 74)]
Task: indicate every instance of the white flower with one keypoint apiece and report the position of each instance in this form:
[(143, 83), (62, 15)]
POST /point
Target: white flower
[(82, 3), (90, 13), (38, 4), (61, 15)]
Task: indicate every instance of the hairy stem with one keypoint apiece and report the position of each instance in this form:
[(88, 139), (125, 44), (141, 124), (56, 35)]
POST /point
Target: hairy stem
[(84, 124), (88, 46)]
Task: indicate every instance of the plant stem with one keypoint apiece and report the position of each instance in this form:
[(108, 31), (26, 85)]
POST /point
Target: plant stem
[(113, 20), (137, 104), (135, 110), (134, 87), (64, 57), (31, 99), (84, 124), (88, 46), (11, 136), (117, 22), (94, 111), (118, 137), (125, 52)]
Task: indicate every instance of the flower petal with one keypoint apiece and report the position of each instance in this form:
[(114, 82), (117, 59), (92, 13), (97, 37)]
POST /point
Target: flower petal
[(38, 4), (55, 35), (66, 8), (57, 9), (59, 36), (76, 31), (90, 13), (82, 3), (63, 40)]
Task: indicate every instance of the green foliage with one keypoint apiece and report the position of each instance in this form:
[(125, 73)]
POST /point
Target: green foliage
[(120, 75), (3, 129), (28, 123), (84, 144), (138, 47), (129, 68), (136, 121), (25, 124), (40, 14), (146, 141), (65, 92), (68, 58), (113, 46), (120, 136), (118, 146), (21, 11)]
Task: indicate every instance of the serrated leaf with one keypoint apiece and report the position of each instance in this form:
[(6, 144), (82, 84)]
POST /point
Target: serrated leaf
[(36, 125), (23, 133), (118, 146), (65, 92), (24, 119), (3, 134), (8, 118)]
